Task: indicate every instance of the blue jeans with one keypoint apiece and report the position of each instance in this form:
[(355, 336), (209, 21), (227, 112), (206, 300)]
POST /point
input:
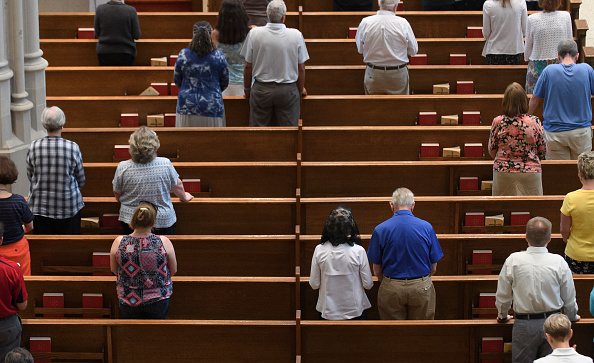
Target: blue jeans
[(151, 310)]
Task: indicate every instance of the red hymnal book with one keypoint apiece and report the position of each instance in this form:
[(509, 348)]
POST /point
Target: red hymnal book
[(174, 89), (471, 117), (428, 118), (101, 259), (492, 345), (465, 87), (429, 150), (53, 300), (92, 301), (352, 33), (161, 88), (172, 60), (418, 60), (191, 185), (400, 6), (473, 150), (86, 33), (129, 120), (40, 345), (121, 152), (519, 218), (468, 183), (474, 32), (110, 220), (474, 219), (169, 120), (482, 257), (487, 301), (458, 59)]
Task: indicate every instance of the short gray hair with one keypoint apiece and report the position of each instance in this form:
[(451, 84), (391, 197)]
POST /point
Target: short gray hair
[(387, 4), (276, 10), (403, 197), (53, 118), (567, 47), (18, 355), (538, 231), (144, 144)]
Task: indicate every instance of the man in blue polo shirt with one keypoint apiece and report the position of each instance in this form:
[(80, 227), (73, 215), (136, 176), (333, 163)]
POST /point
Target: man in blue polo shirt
[(566, 89), (404, 251)]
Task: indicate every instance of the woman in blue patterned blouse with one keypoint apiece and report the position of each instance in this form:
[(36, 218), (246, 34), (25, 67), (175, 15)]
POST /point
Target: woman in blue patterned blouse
[(201, 74)]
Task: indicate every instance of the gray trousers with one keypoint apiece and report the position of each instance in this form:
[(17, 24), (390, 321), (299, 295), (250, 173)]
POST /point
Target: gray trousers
[(274, 104), (529, 341), (10, 335)]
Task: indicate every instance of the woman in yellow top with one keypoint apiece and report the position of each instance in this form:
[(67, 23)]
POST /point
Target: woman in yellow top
[(577, 214)]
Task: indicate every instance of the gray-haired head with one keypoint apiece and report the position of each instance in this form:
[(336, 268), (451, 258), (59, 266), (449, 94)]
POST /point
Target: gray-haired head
[(403, 198), (276, 10), (538, 231), (202, 24), (567, 47), (18, 355), (387, 4), (53, 118)]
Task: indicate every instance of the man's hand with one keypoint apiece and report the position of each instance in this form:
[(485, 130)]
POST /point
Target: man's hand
[(577, 318), (304, 92), (246, 93), (504, 320)]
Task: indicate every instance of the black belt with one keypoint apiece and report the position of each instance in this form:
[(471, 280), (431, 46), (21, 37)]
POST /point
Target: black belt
[(7, 317), (386, 68), (536, 316), (409, 278)]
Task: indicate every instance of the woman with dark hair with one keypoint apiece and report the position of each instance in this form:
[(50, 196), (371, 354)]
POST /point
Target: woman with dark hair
[(340, 269), (201, 75), (228, 36), (16, 217), (517, 144), (144, 264)]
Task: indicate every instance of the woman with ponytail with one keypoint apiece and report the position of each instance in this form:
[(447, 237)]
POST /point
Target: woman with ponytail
[(144, 264), (201, 75)]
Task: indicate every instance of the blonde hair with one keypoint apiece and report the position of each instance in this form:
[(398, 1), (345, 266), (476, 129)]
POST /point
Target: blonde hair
[(515, 101), (144, 216), (144, 144), (585, 165), (558, 327)]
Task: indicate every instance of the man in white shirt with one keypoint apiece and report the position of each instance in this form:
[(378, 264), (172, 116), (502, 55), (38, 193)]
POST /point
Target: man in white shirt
[(386, 41), (275, 56), (539, 283), (557, 327)]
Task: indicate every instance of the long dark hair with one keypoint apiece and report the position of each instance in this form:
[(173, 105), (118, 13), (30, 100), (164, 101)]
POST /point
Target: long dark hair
[(232, 22), (340, 228), (201, 43)]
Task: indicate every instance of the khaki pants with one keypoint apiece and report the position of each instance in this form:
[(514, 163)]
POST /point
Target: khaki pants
[(568, 145), (380, 82), (406, 299)]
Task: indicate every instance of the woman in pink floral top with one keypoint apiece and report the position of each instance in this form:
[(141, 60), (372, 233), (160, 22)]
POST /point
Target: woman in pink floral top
[(517, 145)]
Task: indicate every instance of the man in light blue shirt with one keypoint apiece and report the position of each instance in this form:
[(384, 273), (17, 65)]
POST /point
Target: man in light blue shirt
[(566, 89)]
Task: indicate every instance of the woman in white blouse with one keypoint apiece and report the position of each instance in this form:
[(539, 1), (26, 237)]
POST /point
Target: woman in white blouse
[(340, 269), (544, 31), (504, 27)]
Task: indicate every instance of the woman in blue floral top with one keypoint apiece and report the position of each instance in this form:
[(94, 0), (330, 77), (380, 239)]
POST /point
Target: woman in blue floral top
[(201, 75), (229, 35), (517, 144)]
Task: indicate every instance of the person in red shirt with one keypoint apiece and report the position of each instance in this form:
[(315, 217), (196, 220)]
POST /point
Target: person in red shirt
[(13, 297)]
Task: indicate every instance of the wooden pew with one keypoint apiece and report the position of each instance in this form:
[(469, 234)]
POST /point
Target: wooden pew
[(195, 144), (390, 143), (427, 178), (147, 341), (104, 111), (329, 80), (194, 298), (219, 216), (197, 255), (446, 214), (457, 250), (81, 52), (217, 179), (456, 296)]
